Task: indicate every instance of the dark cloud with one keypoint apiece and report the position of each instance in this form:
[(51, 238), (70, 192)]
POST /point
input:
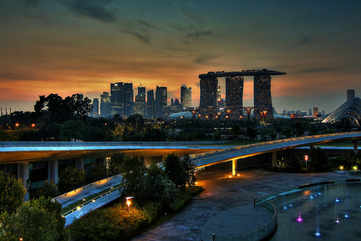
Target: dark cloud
[(142, 36), (198, 34), (146, 24), (318, 70), (32, 3), (305, 40), (204, 59), (96, 9), (6, 76)]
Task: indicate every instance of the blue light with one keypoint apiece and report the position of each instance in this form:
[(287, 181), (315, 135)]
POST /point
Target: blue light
[(290, 205), (319, 194), (346, 215), (311, 197), (318, 234), (285, 207), (337, 200)]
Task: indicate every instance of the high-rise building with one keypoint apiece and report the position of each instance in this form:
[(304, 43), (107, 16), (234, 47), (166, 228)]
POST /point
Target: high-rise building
[(140, 102), (262, 97), (161, 100), (122, 99), (315, 111), (186, 96), (105, 105), (234, 96), (150, 109), (95, 108), (350, 94), (208, 97)]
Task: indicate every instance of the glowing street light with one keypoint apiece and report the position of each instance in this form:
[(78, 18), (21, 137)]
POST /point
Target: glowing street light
[(355, 168), (128, 202), (306, 157), (341, 167), (33, 125), (17, 124)]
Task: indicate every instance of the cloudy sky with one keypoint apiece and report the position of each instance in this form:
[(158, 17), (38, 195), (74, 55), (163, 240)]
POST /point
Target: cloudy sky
[(71, 46)]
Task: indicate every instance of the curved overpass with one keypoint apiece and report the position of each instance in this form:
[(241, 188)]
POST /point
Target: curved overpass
[(12, 152), (242, 152)]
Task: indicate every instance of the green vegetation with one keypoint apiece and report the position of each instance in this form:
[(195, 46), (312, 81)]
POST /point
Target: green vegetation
[(70, 179), (118, 223), (36, 220), (12, 193), (154, 192)]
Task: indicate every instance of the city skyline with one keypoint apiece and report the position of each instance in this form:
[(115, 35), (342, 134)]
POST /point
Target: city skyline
[(78, 46)]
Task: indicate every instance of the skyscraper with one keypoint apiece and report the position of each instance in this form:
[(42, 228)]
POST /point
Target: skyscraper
[(208, 98), (122, 99), (350, 94), (186, 96), (234, 96), (95, 107), (150, 109), (262, 96), (161, 100), (140, 102), (105, 105)]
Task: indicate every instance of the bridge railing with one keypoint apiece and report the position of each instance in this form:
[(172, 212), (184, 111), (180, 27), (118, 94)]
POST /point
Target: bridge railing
[(292, 139)]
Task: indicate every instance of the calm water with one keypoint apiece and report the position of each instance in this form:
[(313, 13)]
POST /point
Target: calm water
[(328, 212)]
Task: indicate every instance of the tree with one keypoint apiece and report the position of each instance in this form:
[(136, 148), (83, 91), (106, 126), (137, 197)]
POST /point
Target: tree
[(59, 109), (49, 190), (70, 179), (133, 171), (36, 220), (176, 170), (12, 193)]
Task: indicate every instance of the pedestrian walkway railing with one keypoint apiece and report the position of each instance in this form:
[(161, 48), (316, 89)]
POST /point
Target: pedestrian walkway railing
[(291, 141)]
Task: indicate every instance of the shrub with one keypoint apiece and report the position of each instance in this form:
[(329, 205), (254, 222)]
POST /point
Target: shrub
[(12, 193)]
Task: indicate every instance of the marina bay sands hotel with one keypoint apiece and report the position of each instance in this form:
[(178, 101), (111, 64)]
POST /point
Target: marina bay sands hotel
[(234, 92)]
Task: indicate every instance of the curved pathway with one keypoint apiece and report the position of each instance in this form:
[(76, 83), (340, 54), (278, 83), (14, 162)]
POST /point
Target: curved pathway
[(223, 194)]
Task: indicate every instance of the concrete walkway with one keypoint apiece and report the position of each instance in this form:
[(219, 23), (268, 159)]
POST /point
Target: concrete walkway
[(239, 223), (221, 195)]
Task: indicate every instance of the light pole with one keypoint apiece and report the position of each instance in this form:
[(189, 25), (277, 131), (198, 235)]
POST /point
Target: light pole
[(306, 157), (128, 202)]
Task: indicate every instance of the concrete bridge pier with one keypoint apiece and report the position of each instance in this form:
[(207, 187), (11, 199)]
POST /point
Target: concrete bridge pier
[(274, 159), (53, 171), (23, 174), (355, 147), (79, 164), (234, 167)]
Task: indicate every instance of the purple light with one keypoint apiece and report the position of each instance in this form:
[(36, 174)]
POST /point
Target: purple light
[(337, 220), (299, 219)]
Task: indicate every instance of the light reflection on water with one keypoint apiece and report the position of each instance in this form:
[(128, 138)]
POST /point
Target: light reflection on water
[(326, 212)]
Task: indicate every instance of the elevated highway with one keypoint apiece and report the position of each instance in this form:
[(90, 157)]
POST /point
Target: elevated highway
[(241, 152)]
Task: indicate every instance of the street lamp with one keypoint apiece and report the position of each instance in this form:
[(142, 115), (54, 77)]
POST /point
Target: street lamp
[(33, 125), (17, 124), (306, 157), (128, 202)]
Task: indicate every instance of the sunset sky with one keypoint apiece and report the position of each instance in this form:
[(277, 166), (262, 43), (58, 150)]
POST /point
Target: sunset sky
[(81, 46)]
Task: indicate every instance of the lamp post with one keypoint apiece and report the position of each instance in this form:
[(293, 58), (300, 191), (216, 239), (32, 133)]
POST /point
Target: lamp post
[(128, 202), (306, 157), (263, 115)]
